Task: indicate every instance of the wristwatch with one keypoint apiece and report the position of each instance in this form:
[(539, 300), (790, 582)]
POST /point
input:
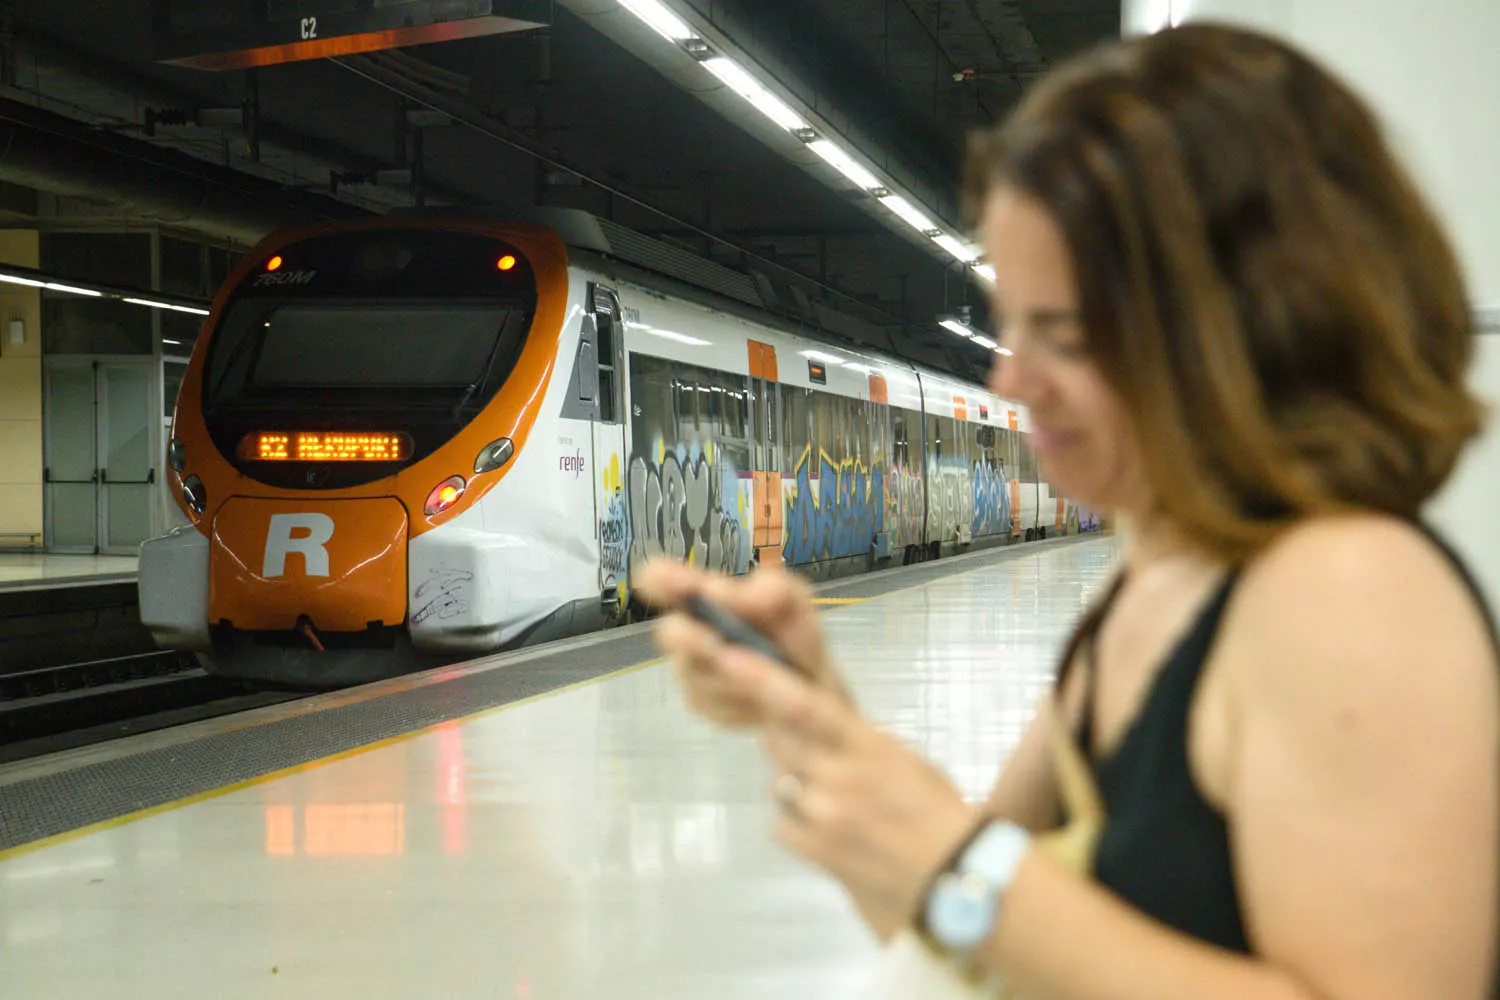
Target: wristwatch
[(965, 899)]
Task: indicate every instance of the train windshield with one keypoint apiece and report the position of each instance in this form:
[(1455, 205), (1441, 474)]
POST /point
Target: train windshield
[(407, 332), (385, 354)]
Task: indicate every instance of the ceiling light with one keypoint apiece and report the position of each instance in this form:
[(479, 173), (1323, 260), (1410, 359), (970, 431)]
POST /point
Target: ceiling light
[(984, 341), (167, 305), (12, 280), (73, 290), (907, 212), (957, 248), (767, 103), (1005, 351), (954, 326), (660, 18), (844, 164), (985, 271)]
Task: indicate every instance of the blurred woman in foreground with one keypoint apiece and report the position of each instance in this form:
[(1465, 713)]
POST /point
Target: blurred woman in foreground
[(1269, 768)]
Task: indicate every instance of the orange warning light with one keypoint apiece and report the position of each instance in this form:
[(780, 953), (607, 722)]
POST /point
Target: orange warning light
[(506, 263), (274, 264)]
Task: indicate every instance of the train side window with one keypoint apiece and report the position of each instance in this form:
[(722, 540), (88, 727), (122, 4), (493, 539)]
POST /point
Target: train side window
[(901, 456), (607, 393), (796, 432)]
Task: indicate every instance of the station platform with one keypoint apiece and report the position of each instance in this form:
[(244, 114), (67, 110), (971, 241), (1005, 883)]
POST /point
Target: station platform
[(550, 823), (36, 570)]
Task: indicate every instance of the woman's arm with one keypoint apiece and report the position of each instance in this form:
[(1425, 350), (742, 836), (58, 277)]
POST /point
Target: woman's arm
[(1362, 799)]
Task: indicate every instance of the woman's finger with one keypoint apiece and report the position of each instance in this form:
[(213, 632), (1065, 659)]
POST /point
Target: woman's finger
[(680, 636), (789, 701), (666, 583)]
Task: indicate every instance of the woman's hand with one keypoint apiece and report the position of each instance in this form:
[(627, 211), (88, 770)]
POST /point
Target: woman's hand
[(854, 800), (771, 600)]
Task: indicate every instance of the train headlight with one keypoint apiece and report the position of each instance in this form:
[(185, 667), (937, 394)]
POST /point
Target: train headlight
[(177, 455), (493, 455), (195, 495), (444, 495)]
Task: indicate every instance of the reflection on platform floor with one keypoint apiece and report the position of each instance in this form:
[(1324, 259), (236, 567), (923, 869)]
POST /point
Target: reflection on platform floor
[(595, 843)]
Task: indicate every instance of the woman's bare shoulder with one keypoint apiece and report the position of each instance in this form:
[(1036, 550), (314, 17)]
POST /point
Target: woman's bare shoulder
[(1364, 599)]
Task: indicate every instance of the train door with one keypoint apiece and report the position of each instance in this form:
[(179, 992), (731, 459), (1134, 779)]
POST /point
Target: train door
[(766, 454), (612, 524)]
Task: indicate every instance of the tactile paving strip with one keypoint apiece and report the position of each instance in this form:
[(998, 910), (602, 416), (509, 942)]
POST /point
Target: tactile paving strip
[(95, 792)]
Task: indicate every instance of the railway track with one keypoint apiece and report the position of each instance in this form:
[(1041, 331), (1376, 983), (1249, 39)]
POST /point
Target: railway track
[(60, 707)]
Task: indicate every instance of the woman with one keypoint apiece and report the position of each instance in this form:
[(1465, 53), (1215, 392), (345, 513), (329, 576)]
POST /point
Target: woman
[(1237, 327)]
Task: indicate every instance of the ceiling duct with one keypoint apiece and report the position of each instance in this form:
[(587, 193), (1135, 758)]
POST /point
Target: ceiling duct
[(590, 232), (49, 153)]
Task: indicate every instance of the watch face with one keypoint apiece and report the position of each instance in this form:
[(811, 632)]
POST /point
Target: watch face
[(961, 911)]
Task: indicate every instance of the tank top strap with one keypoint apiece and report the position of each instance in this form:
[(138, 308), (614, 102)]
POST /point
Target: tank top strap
[(1464, 573), (1183, 662)]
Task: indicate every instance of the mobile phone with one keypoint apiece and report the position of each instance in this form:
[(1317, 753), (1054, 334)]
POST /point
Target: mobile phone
[(733, 629)]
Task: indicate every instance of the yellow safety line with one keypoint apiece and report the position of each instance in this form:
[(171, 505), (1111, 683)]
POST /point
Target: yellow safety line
[(213, 793)]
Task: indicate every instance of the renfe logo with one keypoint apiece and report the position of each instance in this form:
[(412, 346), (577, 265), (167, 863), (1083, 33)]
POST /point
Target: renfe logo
[(312, 545), (572, 463)]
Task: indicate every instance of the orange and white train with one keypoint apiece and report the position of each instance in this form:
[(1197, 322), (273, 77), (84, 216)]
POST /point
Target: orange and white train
[(402, 442)]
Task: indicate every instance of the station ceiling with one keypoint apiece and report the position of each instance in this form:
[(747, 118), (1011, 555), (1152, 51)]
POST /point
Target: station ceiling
[(588, 111)]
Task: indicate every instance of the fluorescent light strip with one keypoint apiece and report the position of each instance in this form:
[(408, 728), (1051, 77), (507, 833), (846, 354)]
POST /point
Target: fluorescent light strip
[(11, 279), (984, 341), (844, 164), (986, 271), (767, 103), (954, 326), (957, 248), (73, 290), (666, 23), (167, 305), (660, 19), (907, 212)]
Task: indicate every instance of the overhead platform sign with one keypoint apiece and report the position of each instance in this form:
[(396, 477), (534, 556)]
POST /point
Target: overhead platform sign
[(240, 34)]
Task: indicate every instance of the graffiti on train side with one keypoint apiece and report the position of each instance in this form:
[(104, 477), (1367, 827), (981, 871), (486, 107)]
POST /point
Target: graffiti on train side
[(838, 519), (991, 500), (687, 505), (950, 499), (903, 510), (614, 535)]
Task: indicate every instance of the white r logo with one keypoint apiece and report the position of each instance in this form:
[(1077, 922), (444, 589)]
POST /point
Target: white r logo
[(279, 542)]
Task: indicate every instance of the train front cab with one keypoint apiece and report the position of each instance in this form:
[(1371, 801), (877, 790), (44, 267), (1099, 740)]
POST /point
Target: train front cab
[(358, 394)]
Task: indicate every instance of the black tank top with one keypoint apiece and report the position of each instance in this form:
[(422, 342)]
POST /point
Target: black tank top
[(1164, 849)]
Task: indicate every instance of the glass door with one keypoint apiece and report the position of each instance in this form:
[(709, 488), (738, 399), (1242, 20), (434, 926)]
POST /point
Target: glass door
[(69, 466), (100, 468), (126, 470)]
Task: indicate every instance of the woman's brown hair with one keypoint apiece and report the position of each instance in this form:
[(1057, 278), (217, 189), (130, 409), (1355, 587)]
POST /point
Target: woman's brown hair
[(1259, 279)]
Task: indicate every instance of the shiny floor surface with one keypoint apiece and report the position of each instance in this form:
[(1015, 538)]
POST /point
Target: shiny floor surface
[(599, 842), (20, 569)]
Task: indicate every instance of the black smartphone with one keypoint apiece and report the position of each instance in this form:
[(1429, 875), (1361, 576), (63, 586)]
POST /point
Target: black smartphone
[(732, 628)]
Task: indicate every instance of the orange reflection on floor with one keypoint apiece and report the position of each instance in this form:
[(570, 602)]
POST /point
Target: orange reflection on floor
[(359, 829), (281, 831)]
